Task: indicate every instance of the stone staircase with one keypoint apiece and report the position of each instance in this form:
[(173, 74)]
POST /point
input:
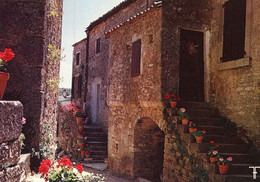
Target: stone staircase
[(219, 131), (98, 139)]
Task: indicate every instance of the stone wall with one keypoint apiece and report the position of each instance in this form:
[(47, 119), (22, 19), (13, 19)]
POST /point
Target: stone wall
[(28, 28), (80, 69), (234, 85), (133, 99), (11, 113), (98, 63)]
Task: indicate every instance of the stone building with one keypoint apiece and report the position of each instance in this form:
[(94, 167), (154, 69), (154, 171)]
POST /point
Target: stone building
[(32, 29), (79, 72), (207, 53)]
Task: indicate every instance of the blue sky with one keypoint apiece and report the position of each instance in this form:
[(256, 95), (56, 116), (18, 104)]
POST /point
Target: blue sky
[(77, 15)]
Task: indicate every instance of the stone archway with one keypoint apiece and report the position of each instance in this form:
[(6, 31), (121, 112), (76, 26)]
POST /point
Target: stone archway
[(148, 150)]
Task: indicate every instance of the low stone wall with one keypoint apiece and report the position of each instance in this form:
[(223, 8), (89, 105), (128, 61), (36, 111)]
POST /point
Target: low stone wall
[(67, 133), (11, 113)]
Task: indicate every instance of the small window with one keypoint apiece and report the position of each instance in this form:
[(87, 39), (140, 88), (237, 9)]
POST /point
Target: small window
[(77, 58), (136, 58), (79, 86), (234, 30), (72, 88), (98, 45)]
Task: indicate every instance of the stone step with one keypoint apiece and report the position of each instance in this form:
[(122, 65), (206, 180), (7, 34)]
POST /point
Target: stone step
[(238, 169), (96, 134), (98, 157), (207, 121), (94, 143), (203, 113), (97, 139), (191, 105), (99, 148), (241, 178), (214, 130), (91, 160), (91, 128), (238, 158), (221, 139), (99, 152), (225, 148)]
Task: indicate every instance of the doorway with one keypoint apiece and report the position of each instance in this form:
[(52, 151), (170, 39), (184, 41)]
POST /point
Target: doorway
[(191, 85), (96, 103)]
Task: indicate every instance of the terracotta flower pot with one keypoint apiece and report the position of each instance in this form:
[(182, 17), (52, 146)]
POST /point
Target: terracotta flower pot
[(223, 169), (87, 155), (4, 77), (185, 121), (82, 152), (212, 160), (80, 128), (191, 130), (78, 119), (173, 104), (199, 139), (80, 145)]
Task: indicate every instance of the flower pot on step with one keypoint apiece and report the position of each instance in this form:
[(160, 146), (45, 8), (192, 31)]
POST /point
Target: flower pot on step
[(173, 104), (78, 119), (4, 77), (87, 155), (80, 128), (223, 169), (199, 139), (185, 121), (82, 152), (212, 160), (191, 130)]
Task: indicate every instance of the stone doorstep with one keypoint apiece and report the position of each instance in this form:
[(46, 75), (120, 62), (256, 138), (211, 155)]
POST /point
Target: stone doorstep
[(18, 172)]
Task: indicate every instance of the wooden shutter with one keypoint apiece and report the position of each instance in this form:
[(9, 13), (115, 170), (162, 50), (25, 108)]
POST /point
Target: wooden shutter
[(72, 87), (79, 86), (98, 45), (136, 58), (77, 58), (234, 30)]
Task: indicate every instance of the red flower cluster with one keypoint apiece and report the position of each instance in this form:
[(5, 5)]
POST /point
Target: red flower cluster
[(64, 162), (80, 168), (45, 166), (7, 55), (172, 97), (203, 131)]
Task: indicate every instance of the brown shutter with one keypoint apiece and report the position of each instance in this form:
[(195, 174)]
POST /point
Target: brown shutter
[(234, 30), (72, 87), (136, 58), (77, 58), (79, 86), (98, 46)]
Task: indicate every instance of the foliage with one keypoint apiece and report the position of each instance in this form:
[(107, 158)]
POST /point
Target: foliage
[(182, 113), (21, 139), (213, 150), (53, 8), (172, 98), (5, 56), (79, 113), (191, 125), (201, 173), (198, 133), (222, 161)]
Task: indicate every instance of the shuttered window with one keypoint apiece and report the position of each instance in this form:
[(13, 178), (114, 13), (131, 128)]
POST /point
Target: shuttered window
[(77, 58), (72, 88), (79, 86), (234, 30), (136, 58), (98, 45)]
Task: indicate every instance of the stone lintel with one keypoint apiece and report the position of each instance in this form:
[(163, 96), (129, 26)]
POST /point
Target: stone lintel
[(156, 104), (234, 64)]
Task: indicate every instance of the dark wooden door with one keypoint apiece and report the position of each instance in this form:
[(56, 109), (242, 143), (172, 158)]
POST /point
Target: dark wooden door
[(191, 85)]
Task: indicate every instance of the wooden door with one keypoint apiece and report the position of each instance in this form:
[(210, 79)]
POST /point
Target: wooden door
[(191, 85)]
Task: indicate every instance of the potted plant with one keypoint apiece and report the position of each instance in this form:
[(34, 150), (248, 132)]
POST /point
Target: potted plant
[(213, 152), (88, 150), (223, 164), (5, 56), (198, 135), (173, 99), (79, 115), (191, 126), (183, 116), (81, 140), (80, 126)]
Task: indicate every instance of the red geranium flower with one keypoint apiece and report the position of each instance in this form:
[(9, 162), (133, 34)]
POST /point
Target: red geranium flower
[(7, 55), (64, 162), (172, 95), (46, 162), (195, 129), (216, 145), (211, 141), (80, 168), (167, 96), (44, 169), (203, 131)]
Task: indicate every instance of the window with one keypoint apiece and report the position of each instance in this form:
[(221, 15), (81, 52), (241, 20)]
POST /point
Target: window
[(98, 45), (79, 86), (77, 58), (136, 58), (234, 30), (72, 88)]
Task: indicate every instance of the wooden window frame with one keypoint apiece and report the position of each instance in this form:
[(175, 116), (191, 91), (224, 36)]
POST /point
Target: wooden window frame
[(98, 45), (136, 58)]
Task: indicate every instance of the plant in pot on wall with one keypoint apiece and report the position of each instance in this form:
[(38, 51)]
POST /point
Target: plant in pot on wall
[(191, 126), (173, 99), (88, 150), (5, 56), (223, 164), (81, 140), (79, 115), (183, 116), (213, 152), (198, 135), (81, 126)]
